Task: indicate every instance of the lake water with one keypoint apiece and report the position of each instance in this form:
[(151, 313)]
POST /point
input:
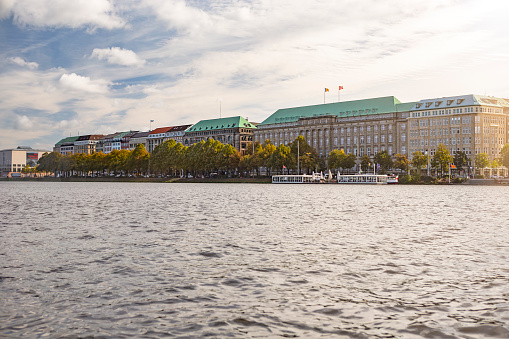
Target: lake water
[(152, 260)]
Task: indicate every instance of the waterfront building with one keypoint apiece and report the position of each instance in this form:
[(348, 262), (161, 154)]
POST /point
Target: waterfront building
[(86, 143), (358, 127), (65, 146), (138, 138), (156, 137), (14, 160), (114, 141), (471, 124), (235, 131)]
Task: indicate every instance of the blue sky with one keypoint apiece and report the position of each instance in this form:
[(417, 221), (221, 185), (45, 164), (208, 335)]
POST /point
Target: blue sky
[(100, 66)]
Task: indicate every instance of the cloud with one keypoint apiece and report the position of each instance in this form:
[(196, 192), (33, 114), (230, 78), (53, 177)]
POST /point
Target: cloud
[(119, 56), (181, 17), (62, 13), (83, 84), (23, 123), (19, 61)]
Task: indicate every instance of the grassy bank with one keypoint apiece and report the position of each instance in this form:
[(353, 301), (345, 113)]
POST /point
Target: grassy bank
[(157, 180)]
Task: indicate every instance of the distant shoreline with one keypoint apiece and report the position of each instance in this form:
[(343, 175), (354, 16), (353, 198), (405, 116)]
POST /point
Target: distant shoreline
[(149, 180)]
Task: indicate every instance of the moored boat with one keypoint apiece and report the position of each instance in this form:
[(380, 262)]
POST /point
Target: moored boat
[(373, 179)]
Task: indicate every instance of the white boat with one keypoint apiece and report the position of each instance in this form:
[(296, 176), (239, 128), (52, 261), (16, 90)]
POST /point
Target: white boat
[(373, 179), (392, 179), (293, 179)]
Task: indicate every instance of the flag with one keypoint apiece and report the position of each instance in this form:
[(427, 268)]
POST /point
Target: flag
[(453, 166), (284, 166), (151, 120), (340, 88), (326, 89)]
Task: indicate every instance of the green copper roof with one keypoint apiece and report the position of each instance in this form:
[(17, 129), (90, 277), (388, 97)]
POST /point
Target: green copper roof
[(65, 140), (405, 107), (340, 109), (215, 124)]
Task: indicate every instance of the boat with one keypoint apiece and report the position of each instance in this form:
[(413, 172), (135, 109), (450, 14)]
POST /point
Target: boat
[(293, 179), (392, 179), (373, 179)]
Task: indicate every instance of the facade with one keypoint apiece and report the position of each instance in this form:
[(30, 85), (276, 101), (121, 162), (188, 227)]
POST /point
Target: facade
[(65, 146), (235, 131), (138, 138), (86, 143), (14, 160), (157, 137), (177, 133), (358, 127), (468, 123)]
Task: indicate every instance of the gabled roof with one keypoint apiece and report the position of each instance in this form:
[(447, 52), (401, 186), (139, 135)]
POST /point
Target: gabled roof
[(67, 140), (140, 135), (459, 101), (179, 128), (160, 130), (340, 109), (222, 123)]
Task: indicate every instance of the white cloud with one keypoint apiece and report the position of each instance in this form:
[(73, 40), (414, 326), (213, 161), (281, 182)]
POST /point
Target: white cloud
[(84, 84), (23, 123), (62, 13), (181, 17), (21, 62), (119, 56)]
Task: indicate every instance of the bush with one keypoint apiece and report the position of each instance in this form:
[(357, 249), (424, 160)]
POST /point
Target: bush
[(428, 180), (405, 179)]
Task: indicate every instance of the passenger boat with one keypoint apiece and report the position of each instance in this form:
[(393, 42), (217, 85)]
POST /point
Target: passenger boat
[(374, 179), (293, 179), (392, 179)]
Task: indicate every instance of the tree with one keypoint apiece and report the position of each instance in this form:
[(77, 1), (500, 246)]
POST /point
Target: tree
[(306, 152), (384, 160), (482, 160), (349, 161), (419, 160), (366, 163), (49, 162), (281, 157), (460, 159), (336, 158), (137, 160), (505, 155), (401, 162), (442, 158)]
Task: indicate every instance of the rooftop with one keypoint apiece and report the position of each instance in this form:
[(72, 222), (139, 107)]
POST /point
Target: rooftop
[(221, 123), (341, 109)]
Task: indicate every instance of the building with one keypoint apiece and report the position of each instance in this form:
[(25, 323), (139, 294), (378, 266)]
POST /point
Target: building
[(65, 146), (114, 141), (156, 137), (14, 160), (86, 143), (162, 134), (358, 127), (138, 138), (235, 131), (468, 123)]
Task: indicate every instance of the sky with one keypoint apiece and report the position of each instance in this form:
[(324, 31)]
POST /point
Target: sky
[(101, 66)]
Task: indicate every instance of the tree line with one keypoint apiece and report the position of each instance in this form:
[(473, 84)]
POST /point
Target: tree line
[(211, 156)]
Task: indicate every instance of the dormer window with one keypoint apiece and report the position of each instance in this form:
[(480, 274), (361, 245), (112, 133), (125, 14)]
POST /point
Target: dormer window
[(428, 104), (418, 105), (459, 101), (449, 102), (438, 103)]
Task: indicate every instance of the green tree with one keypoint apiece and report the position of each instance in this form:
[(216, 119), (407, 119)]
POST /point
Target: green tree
[(401, 162), (419, 160), (384, 160), (481, 160), (505, 155), (460, 159), (336, 159), (308, 157), (281, 157), (49, 162), (349, 162), (366, 163), (442, 159), (138, 159)]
